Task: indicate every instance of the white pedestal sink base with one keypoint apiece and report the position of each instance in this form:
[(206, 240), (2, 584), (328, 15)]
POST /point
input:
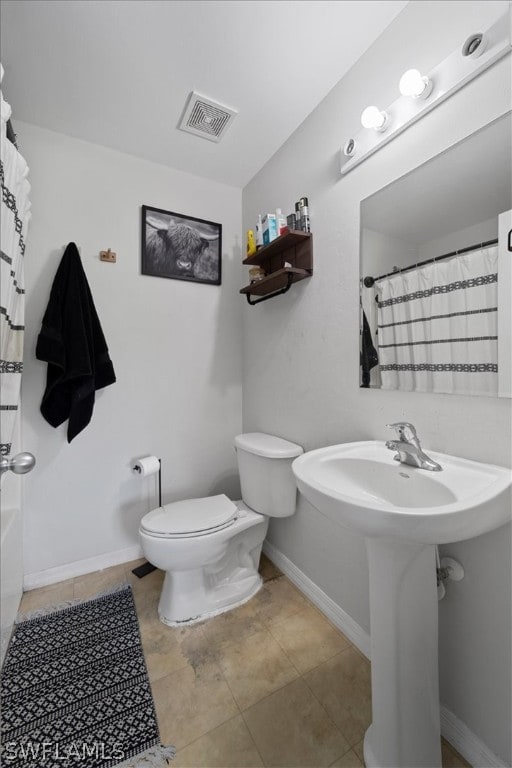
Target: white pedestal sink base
[(405, 730)]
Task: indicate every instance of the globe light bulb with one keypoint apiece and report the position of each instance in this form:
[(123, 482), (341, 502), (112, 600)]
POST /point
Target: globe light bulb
[(414, 84), (373, 117)]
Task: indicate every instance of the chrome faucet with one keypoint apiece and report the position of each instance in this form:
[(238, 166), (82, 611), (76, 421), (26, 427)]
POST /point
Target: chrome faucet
[(408, 447)]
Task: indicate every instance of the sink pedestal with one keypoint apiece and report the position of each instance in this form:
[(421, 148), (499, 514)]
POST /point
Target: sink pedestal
[(405, 729)]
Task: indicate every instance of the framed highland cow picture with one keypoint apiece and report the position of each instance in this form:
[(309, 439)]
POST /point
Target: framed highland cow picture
[(180, 247)]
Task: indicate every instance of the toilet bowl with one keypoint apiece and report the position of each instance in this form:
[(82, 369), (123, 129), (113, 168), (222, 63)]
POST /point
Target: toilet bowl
[(210, 547)]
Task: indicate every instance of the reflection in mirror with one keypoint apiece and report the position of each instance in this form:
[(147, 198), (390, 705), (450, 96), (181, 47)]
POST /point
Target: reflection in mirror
[(436, 277)]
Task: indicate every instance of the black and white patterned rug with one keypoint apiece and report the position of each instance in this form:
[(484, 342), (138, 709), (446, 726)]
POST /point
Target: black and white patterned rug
[(75, 691)]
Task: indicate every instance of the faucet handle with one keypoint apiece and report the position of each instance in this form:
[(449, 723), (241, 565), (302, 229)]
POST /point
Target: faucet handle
[(404, 430)]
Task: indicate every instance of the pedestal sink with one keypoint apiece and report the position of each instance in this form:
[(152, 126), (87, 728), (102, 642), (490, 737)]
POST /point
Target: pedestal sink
[(403, 512)]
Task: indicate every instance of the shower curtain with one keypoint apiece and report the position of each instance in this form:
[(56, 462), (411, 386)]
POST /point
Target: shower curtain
[(15, 217), (438, 326)]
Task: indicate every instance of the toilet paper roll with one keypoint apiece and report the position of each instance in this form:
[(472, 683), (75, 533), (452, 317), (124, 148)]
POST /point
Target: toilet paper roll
[(147, 465)]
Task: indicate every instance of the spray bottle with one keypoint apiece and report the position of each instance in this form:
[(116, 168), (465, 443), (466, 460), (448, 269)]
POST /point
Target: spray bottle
[(304, 215)]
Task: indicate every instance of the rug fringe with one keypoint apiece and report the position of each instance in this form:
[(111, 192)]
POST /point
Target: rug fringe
[(156, 757), (38, 613)]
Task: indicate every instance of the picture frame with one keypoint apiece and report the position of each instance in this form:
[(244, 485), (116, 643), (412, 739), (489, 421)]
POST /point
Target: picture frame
[(180, 247)]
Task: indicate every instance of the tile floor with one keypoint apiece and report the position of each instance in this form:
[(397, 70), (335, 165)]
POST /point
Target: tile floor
[(271, 683)]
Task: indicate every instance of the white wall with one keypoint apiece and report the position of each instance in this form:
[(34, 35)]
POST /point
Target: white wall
[(175, 346), (381, 252), (301, 350), (480, 232)]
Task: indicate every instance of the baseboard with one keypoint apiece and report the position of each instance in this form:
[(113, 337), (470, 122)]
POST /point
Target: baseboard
[(464, 741), (80, 567), (454, 730), (332, 610)]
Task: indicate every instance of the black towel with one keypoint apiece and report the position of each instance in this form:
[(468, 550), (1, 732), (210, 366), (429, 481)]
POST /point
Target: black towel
[(72, 343), (369, 356)]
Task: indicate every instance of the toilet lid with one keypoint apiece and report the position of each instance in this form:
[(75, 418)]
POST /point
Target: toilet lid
[(190, 516)]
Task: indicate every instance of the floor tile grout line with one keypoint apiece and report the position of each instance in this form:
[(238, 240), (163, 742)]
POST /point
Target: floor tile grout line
[(201, 736), (240, 713), (271, 693), (276, 622), (318, 611), (286, 654), (300, 677), (294, 613), (229, 687), (306, 671), (223, 722), (346, 753), (228, 643), (254, 740), (328, 717), (338, 653), (314, 694)]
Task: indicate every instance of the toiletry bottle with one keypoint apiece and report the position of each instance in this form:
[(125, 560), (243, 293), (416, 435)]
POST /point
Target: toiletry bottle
[(259, 232), (251, 243), (304, 215), (280, 222), (297, 215), (269, 227)]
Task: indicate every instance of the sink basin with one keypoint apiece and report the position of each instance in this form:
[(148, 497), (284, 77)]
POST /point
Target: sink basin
[(403, 512), (362, 487)]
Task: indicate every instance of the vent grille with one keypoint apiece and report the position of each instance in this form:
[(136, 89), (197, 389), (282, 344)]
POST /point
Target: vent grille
[(206, 118)]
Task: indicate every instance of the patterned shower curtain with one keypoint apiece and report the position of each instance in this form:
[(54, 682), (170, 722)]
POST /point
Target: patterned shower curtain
[(438, 326), (14, 223)]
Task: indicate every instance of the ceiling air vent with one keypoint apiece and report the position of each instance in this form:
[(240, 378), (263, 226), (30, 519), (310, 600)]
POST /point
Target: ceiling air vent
[(206, 118)]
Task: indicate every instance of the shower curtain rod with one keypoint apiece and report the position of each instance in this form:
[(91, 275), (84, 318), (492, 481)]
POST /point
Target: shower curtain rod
[(369, 281)]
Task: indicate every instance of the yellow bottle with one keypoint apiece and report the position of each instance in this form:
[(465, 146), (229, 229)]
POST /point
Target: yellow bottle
[(251, 243)]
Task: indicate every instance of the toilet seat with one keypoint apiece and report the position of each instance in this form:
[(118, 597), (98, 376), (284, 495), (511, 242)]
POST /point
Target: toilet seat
[(192, 517)]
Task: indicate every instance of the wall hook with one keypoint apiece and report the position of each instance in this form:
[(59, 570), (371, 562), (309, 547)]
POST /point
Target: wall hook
[(109, 256)]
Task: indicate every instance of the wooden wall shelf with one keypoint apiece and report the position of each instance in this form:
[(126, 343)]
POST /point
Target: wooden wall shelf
[(295, 249)]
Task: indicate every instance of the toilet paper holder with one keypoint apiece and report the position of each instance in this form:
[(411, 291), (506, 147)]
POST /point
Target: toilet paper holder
[(146, 568), (138, 468)]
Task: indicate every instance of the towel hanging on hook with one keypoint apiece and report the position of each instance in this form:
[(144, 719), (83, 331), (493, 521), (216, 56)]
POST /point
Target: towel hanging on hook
[(71, 341)]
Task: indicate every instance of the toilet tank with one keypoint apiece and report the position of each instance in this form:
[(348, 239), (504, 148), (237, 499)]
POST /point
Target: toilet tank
[(266, 477)]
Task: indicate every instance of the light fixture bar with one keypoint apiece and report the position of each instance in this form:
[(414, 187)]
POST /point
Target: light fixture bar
[(458, 69)]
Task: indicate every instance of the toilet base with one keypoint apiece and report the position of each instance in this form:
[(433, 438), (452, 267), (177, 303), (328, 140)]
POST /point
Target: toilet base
[(235, 602)]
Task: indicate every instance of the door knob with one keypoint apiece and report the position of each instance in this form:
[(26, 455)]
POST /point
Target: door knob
[(19, 464)]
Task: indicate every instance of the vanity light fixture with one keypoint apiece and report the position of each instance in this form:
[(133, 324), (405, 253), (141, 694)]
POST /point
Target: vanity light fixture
[(415, 85), (420, 93), (373, 117)]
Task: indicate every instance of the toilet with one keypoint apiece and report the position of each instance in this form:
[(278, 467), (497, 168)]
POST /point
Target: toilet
[(210, 547)]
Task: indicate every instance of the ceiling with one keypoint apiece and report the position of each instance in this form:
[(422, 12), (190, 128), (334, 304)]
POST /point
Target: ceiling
[(118, 73)]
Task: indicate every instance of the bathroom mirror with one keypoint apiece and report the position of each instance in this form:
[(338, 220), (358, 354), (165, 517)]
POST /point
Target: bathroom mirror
[(436, 277)]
